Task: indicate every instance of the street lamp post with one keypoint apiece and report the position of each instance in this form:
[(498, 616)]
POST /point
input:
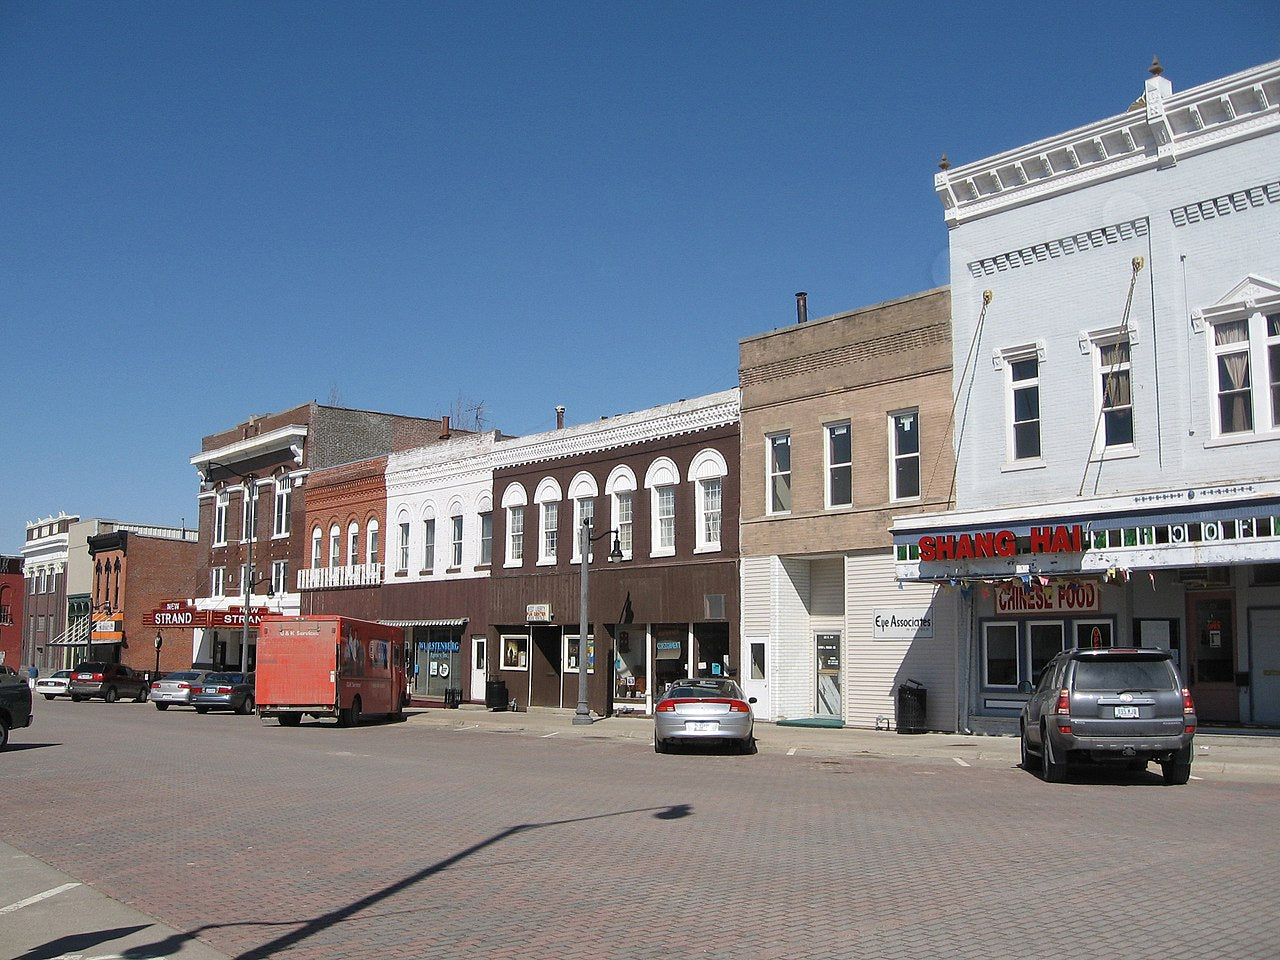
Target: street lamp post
[(159, 641), (583, 713)]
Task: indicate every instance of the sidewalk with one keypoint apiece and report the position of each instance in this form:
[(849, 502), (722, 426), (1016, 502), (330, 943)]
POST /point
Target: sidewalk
[(1252, 754)]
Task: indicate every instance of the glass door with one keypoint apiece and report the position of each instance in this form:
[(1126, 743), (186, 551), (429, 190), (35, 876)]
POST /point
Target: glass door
[(1211, 656), (828, 700)]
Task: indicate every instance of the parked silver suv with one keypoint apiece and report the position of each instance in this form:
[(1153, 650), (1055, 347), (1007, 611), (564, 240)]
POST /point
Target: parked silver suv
[(1109, 705)]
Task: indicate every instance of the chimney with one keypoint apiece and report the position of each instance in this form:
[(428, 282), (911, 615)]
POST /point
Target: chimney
[(802, 307), (444, 427), (559, 417)]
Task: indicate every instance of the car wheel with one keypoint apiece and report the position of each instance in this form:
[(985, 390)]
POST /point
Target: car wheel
[(202, 709), (747, 746), (1177, 769), (246, 707), (50, 696), (1051, 768), (111, 696), (76, 698), (142, 696), (289, 719), (162, 706), (4, 733), (659, 746)]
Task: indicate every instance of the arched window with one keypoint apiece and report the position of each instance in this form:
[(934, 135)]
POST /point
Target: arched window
[(371, 541), (621, 488), (583, 492), (353, 544), (548, 499), (661, 480), (317, 548), (335, 546), (514, 500), (707, 472)]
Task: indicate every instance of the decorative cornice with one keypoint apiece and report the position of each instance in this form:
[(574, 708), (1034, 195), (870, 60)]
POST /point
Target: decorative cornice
[(291, 437), (1161, 129), (655, 423)]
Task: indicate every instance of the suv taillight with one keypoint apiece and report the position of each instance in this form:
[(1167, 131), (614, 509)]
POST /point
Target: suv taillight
[(1064, 703), (1188, 710)]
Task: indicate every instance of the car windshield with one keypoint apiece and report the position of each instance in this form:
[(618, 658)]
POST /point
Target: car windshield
[(224, 678), (707, 688), (184, 675), (92, 667), (1137, 673)]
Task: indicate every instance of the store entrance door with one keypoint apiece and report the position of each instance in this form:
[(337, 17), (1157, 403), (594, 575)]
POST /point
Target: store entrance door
[(1211, 656), (545, 669), (828, 699)]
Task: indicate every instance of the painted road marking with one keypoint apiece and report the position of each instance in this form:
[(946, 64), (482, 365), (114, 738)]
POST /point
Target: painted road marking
[(959, 761), (37, 898), (553, 733), (1197, 778), (791, 752)]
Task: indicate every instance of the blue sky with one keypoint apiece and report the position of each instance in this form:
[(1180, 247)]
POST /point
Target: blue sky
[(213, 210)]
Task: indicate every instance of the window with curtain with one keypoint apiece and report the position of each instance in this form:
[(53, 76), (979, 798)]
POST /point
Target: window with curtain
[(1117, 397), (1235, 393)]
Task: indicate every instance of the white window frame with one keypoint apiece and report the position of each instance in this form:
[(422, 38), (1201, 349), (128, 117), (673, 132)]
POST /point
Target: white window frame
[(514, 502), (1094, 342), (621, 488), (570, 642), (279, 577), (582, 493), (317, 548), (249, 516), (335, 546), (402, 548), (986, 654), (486, 537), (898, 458), (1006, 359), (662, 480), (455, 541), (774, 475), (548, 497), (220, 503), (707, 471), (1262, 350), (284, 506), (517, 643), (218, 582), (831, 464), (353, 544), (371, 542)]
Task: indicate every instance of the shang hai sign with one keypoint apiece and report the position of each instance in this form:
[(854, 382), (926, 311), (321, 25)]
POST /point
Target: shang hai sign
[(1051, 598), (1000, 543)]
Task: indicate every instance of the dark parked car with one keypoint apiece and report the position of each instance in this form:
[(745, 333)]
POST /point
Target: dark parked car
[(15, 704), (1111, 705), (704, 710), (109, 681), (224, 691)]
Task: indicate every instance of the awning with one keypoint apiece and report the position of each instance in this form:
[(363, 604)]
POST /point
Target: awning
[(76, 635), (455, 622)]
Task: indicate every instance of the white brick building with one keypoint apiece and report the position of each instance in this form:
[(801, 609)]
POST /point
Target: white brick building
[(1116, 324)]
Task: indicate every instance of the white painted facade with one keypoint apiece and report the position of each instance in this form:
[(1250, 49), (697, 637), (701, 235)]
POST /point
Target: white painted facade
[(429, 488), (1158, 228)]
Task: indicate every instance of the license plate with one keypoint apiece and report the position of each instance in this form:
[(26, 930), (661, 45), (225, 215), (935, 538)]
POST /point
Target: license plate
[(702, 726), (1126, 713)]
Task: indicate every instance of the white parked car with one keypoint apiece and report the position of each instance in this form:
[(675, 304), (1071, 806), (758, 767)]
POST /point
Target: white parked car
[(54, 685)]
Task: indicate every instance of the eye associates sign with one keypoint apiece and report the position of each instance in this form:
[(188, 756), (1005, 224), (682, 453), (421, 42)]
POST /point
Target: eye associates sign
[(902, 623)]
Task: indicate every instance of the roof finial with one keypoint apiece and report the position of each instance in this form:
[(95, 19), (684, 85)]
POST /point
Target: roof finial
[(1155, 69), (944, 163)]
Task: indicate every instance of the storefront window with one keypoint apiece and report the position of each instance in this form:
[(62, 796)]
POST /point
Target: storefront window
[(1094, 634), (1000, 654), (670, 655), (1046, 643), (630, 677), (571, 654), (437, 664), (515, 653)]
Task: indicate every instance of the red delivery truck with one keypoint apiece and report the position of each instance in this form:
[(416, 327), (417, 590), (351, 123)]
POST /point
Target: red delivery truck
[(329, 666)]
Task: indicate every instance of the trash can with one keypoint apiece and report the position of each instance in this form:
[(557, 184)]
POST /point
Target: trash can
[(911, 707), (452, 697), (495, 694)]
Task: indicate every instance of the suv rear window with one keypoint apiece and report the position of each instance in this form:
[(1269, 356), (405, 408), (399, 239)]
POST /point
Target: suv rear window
[(1113, 673)]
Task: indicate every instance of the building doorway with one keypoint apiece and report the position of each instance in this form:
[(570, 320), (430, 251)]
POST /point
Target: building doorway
[(828, 700), (1211, 656)]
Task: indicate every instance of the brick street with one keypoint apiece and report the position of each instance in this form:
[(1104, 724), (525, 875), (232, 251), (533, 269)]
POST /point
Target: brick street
[(495, 840)]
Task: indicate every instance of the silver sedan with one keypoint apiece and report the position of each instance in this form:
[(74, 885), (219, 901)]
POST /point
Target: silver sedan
[(175, 688), (708, 709)]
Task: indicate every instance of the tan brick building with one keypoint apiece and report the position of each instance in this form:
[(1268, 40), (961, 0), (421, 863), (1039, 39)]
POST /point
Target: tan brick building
[(845, 424)]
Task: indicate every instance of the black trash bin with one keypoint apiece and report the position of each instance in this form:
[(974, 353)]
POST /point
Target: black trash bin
[(452, 697), (911, 707), (495, 694)]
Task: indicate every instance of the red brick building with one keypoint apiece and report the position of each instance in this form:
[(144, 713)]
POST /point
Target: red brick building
[(11, 611), (133, 573)]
